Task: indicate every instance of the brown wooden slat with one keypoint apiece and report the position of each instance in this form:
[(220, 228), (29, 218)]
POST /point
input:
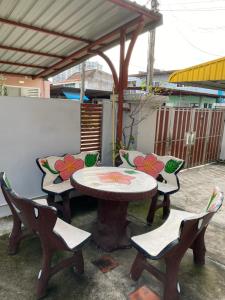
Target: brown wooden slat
[(86, 121), (90, 132), (90, 105), (90, 140), (90, 137), (93, 108), (90, 147), (92, 143), (91, 124), (91, 117)]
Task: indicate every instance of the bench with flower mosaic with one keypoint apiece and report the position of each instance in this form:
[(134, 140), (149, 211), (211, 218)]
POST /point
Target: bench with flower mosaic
[(57, 172), (163, 168)]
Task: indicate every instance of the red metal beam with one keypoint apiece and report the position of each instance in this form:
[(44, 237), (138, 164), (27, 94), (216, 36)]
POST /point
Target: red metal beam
[(16, 74), (46, 31), (130, 49), (21, 65), (31, 52), (87, 48), (112, 68), (135, 8)]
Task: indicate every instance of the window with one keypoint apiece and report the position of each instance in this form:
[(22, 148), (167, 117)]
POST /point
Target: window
[(205, 105), (194, 105), (180, 85)]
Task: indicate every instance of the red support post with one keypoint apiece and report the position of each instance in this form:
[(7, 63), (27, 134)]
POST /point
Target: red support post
[(123, 78), (121, 87)]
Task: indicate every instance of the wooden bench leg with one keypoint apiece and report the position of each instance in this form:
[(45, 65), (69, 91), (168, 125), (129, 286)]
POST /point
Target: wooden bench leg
[(51, 200), (44, 274), (79, 261), (171, 284), (199, 249), (152, 209), (63, 207), (66, 208), (166, 206), (137, 267), (15, 236)]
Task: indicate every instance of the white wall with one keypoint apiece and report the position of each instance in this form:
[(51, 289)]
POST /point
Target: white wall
[(146, 130), (32, 128)]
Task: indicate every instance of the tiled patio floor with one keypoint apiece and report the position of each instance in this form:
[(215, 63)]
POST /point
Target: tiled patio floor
[(18, 273)]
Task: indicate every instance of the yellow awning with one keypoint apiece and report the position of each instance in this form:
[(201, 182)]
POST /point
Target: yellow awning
[(208, 75)]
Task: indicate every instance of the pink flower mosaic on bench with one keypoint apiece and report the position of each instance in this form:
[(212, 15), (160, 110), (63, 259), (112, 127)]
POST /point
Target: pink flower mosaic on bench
[(163, 168), (57, 172), (62, 167)]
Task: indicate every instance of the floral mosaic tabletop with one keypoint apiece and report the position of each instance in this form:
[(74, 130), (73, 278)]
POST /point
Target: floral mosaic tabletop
[(112, 179)]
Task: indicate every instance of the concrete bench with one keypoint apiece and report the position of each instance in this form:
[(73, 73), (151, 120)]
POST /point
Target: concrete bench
[(170, 241), (56, 180), (163, 168)]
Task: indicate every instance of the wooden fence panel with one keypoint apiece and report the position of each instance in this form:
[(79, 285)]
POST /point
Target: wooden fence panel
[(91, 127), (174, 126)]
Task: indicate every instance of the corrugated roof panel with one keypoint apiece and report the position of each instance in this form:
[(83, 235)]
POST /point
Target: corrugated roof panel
[(22, 8), (207, 75), (7, 7), (14, 35), (87, 19), (69, 25), (41, 16), (66, 11), (29, 9), (5, 31)]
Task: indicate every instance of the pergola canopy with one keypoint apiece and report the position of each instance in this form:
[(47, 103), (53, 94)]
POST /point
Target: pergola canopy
[(210, 75), (41, 38)]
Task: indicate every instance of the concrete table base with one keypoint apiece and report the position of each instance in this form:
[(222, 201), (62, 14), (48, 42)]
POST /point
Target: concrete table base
[(110, 231)]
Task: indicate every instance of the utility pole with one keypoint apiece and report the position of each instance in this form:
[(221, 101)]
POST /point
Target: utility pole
[(151, 50), (82, 77)]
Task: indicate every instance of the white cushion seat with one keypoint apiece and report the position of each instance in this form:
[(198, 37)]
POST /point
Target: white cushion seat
[(58, 188), (154, 242), (72, 236), (41, 201), (166, 188)]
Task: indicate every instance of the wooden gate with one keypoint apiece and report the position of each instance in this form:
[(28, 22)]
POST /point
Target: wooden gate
[(91, 127), (194, 135)]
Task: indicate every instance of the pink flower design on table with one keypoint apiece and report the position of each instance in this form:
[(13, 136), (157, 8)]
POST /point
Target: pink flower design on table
[(149, 164), (116, 177), (68, 166)]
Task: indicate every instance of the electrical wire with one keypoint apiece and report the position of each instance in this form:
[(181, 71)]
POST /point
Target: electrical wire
[(194, 10), (192, 45)]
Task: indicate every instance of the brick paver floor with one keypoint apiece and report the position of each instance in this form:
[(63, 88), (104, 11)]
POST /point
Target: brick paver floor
[(196, 187)]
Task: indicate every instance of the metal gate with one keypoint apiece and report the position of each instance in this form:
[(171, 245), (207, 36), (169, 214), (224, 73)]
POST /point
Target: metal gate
[(194, 135), (91, 127)]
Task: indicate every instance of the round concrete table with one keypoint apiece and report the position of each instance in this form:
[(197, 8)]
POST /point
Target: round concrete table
[(114, 188)]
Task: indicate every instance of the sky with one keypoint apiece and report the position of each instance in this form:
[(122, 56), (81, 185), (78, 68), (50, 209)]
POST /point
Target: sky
[(192, 33)]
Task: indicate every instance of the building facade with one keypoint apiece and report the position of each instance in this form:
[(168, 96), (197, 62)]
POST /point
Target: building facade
[(94, 80), (24, 86), (89, 65), (178, 94)]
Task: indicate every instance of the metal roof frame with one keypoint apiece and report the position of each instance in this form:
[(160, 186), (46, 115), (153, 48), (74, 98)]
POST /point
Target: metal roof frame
[(29, 31)]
